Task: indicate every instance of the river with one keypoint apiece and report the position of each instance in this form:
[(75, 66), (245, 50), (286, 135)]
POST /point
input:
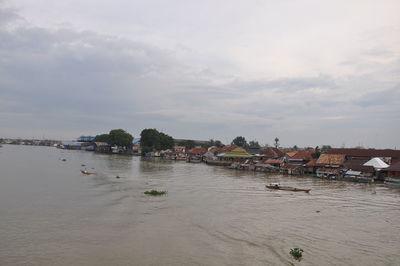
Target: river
[(51, 214)]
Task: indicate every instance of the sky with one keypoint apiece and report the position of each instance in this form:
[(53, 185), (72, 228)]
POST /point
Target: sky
[(309, 72)]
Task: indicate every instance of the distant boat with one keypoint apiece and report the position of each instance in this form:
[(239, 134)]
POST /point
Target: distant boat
[(279, 187), (86, 172), (191, 159), (392, 182)]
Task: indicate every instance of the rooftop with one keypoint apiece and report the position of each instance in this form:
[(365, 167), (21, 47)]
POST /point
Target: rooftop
[(394, 167), (331, 159), (366, 152)]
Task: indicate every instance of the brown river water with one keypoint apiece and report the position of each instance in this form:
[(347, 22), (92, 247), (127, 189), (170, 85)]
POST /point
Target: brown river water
[(51, 214)]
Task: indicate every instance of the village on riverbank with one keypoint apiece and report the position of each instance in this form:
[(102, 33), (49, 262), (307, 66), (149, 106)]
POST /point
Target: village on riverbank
[(349, 164)]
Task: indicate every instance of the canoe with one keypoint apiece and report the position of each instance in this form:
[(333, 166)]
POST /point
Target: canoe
[(279, 187), (86, 172)]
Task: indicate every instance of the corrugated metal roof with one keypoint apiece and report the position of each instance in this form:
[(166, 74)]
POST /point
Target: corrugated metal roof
[(197, 151), (357, 165), (394, 167), (304, 155), (101, 144), (273, 161), (366, 152), (237, 153), (291, 166), (272, 152), (311, 163), (291, 153), (331, 159)]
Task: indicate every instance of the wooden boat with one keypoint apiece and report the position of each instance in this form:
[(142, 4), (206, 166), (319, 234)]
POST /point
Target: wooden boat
[(279, 187), (86, 172), (392, 182), (193, 160)]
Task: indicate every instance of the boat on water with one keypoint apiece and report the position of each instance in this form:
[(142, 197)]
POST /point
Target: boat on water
[(86, 172), (194, 159), (279, 187), (392, 182)]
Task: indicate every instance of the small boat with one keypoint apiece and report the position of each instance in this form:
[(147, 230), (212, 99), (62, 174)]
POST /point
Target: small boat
[(392, 182), (86, 172), (279, 187), (193, 160)]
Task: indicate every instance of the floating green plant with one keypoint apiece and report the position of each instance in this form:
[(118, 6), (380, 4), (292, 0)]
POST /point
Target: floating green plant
[(297, 253), (155, 192)]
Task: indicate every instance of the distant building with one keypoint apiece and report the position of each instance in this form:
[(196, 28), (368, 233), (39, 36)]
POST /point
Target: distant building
[(85, 139), (394, 170)]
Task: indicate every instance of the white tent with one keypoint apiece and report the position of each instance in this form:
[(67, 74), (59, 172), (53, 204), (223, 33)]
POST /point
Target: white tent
[(377, 163)]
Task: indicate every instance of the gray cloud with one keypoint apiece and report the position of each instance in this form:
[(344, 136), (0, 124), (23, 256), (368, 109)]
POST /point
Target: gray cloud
[(63, 82)]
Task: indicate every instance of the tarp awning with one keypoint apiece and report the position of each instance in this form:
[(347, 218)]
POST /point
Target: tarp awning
[(377, 163)]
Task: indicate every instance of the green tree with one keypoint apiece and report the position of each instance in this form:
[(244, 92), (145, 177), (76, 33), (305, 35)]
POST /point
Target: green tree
[(254, 144), (149, 140), (152, 140), (218, 143), (121, 138), (240, 141), (317, 153), (102, 138), (325, 148), (166, 142), (189, 144)]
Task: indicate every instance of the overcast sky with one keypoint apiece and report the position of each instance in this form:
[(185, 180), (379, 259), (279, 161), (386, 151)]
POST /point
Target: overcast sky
[(309, 72)]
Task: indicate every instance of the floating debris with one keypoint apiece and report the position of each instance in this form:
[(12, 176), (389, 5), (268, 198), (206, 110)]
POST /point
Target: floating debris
[(155, 192), (117, 176), (297, 253), (83, 165)]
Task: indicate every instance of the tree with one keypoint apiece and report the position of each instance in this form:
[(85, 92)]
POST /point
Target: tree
[(276, 142), (189, 144), (166, 142), (254, 144), (102, 138), (219, 144), (325, 148), (295, 148), (240, 141), (120, 138), (152, 140), (149, 140), (216, 143), (317, 153)]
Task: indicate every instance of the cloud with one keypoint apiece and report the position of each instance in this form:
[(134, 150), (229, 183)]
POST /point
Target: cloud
[(63, 82), (385, 98)]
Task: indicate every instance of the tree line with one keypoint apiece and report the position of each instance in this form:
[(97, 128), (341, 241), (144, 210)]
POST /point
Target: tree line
[(152, 139)]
